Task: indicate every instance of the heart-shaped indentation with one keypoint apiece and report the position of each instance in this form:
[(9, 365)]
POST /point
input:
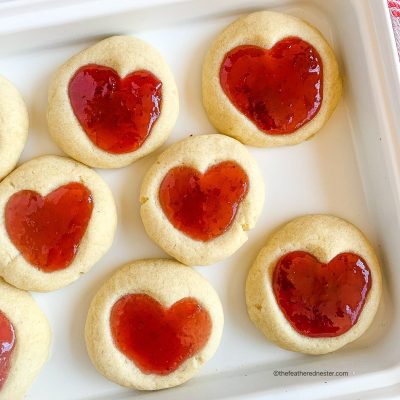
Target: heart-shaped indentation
[(321, 300), (7, 344), (116, 114), (48, 230), (279, 89), (203, 206), (158, 339)]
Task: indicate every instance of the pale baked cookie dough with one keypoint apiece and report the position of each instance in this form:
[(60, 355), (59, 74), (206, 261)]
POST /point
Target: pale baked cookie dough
[(265, 29), (167, 282), (125, 55), (201, 152), (32, 340), (13, 126), (43, 175), (324, 237)]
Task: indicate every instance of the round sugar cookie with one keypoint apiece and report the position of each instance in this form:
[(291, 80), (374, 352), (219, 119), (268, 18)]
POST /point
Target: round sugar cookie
[(201, 197), (270, 79), (315, 286), (58, 220), (25, 338), (153, 324), (112, 103), (13, 126)]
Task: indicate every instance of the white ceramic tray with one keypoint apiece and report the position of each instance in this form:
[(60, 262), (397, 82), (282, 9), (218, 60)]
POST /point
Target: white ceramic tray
[(350, 169)]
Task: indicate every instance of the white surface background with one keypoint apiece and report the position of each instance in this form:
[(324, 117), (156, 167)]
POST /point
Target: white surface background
[(327, 174)]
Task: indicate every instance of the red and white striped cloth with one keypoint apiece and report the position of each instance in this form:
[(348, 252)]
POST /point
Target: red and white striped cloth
[(394, 8)]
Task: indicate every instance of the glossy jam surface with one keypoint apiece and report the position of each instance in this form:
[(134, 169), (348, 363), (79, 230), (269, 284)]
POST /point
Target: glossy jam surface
[(158, 339), (48, 230), (116, 114), (203, 205), (321, 300), (7, 342), (279, 89)]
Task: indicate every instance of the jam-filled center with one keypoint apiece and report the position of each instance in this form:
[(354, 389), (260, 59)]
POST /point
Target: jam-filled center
[(203, 206), (321, 300), (116, 114), (48, 230), (278, 89), (7, 343), (158, 339)]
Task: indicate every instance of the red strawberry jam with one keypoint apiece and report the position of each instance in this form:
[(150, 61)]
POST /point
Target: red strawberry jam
[(116, 114), (158, 339), (278, 89), (7, 343), (203, 206), (321, 300), (48, 230)]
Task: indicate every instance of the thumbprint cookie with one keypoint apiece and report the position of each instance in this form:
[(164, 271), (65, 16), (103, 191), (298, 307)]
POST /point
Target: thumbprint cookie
[(58, 220), (13, 126), (201, 197), (270, 79), (153, 324), (112, 103), (315, 286), (25, 338)]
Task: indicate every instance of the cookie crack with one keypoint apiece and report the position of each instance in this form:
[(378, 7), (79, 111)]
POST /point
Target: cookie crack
[(144, 200)]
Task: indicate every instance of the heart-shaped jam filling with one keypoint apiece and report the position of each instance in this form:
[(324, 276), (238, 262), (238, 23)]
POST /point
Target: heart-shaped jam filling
[(203, 206), (7, 343), (278, 89), (116, 114), (48, 230), (158, 339), (321, 300)]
